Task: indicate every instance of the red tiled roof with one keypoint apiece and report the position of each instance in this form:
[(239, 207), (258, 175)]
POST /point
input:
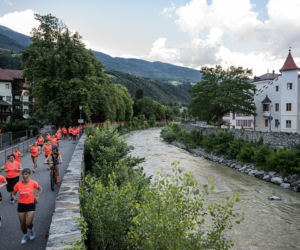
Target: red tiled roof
[(10, 74), (289, 63)]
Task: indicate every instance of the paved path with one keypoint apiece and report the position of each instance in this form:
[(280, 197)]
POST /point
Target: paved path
[(10, 232)]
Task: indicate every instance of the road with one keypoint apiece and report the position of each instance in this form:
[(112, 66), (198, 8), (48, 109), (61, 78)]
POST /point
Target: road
[(10, 232)]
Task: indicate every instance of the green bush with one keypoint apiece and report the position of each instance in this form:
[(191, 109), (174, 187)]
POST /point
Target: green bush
[(209, 142), (222, 142), (259, 156), (235, 147), (284, 161), (195, 137), (168, 134), (245, 154)]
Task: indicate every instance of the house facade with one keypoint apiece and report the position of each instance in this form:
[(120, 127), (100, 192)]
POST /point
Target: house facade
[(277, 99), (12, 90)]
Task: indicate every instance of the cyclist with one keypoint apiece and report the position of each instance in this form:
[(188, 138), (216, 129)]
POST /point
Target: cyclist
[(4, 182), (34, 150), (54, 158), (41, 142), (53, 140), (12, 169), (27, 202), (48, 137), (58, 137), (17, 155), (47, 149)]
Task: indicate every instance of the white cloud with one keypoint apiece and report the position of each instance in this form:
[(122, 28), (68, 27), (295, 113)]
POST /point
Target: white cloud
[(8, 2), (167, 11), (160, 51), (22, 21)]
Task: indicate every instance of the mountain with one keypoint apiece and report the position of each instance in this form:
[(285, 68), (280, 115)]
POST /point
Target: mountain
[(18, 37), (159, 91), (9, 44), (155, 70)]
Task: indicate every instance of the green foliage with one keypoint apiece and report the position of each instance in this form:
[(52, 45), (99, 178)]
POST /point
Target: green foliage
[(260, 154), (223, 140), (9, 60), (220, 92), (209, 142), (168, 134), (245, 154), (17, 123), (235, 147), (284, 161)]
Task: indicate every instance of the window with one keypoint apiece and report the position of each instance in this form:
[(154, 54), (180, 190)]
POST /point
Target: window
[(277, 88), (8, 98), (290, 86), (288, 123), (288, 107), (25, 94), (265, 107), (17, 97), (276, 106), (26, 111), (6, 86), (266, 123), (276, 120), (17, 107)]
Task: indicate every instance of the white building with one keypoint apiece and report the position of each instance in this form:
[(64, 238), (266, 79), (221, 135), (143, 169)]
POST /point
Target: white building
[(277, 96)]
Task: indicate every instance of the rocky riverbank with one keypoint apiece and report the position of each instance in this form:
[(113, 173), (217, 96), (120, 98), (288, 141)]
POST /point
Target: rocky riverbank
[(288, 181)]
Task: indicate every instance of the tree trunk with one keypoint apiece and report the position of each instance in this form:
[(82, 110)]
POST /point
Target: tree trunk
[(220, 121)]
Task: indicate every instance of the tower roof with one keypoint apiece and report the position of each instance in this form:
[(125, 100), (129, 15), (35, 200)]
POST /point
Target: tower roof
[(266, 100), (289, 63)]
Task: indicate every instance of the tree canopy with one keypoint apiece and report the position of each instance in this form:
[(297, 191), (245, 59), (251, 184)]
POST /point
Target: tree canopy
[(222, 91)]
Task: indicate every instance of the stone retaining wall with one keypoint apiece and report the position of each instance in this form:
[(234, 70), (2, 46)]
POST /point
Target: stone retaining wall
[(63, 230), (275, 139)]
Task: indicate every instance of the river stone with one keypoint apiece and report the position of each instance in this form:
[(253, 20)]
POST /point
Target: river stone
[(232, 165), (252, 172), (294, 184), (277, 180), (274, 198), (285, 179), (272, 173), (266, 177), (285, 185), (248, 170), (242, 168), (261, 172), (237, 167)]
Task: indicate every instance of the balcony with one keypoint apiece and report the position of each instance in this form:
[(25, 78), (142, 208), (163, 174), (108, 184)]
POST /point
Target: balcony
[(5, 113), (16, 103), (16, 92), (266, 113)]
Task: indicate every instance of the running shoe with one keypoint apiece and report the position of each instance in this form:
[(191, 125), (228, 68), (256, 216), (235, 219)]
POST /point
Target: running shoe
[(1, 218), (25, 239), (33, 171), (57, 182), (12, 201), (50, 174), (32, 235)]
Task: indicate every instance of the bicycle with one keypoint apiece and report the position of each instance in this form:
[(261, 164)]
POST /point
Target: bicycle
[(53, 179)]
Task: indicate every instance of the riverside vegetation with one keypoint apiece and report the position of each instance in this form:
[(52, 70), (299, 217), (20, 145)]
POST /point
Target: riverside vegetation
[(122, 208), (284, 161)]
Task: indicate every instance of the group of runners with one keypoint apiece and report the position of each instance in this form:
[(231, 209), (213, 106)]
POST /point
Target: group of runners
[(27, 200)]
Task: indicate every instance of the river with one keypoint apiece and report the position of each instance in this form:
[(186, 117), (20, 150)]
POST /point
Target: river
[(268, 224)]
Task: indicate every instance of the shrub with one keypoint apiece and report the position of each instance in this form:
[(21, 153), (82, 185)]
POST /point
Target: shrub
[(235, 147), (260, 154), (195, 137), (245, 154), (222, 142), (168, 134), (209, 142)]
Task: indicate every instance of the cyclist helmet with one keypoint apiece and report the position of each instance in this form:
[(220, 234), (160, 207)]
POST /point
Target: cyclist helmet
[(54, 147)]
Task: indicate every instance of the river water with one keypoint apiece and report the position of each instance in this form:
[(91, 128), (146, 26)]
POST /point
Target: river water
[(268, 224)]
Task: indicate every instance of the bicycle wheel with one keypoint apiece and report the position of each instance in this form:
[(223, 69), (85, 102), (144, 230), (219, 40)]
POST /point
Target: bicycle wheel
[(52, 179), (55, 179)]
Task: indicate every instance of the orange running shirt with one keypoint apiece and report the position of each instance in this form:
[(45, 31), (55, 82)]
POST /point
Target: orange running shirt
[(74, 131), (48, 137), (1, 180), (12, 173), (41, 140), (58, 135), (17, 156), (59, 131), (53, 141), (47, 149), (26, 191), (34, 151)]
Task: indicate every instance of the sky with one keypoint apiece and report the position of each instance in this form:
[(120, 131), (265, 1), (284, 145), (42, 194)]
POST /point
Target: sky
[(254, 34)]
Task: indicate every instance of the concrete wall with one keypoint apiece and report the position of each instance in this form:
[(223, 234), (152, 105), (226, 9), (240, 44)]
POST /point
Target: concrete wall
[(63, 229), (275, 139)]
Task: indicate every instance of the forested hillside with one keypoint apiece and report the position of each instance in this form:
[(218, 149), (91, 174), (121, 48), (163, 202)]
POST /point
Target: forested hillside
[(18, 37), (159, 91), (10, 60), (9, 44), (155, 70)]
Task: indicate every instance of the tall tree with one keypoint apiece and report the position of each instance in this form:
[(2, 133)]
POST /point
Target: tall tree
[(139, 94), (220, 92), (61, 71)]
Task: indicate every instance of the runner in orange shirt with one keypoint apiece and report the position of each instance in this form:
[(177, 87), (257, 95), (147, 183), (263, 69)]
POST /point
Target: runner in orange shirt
[(64, 132), (4, 182), (47, 149), (70, 133), (53, 140), (58, 137), (27, 203), (34, 150), (48, 137), (12, 169), (41, 143), (74, 130), (17, 155)]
